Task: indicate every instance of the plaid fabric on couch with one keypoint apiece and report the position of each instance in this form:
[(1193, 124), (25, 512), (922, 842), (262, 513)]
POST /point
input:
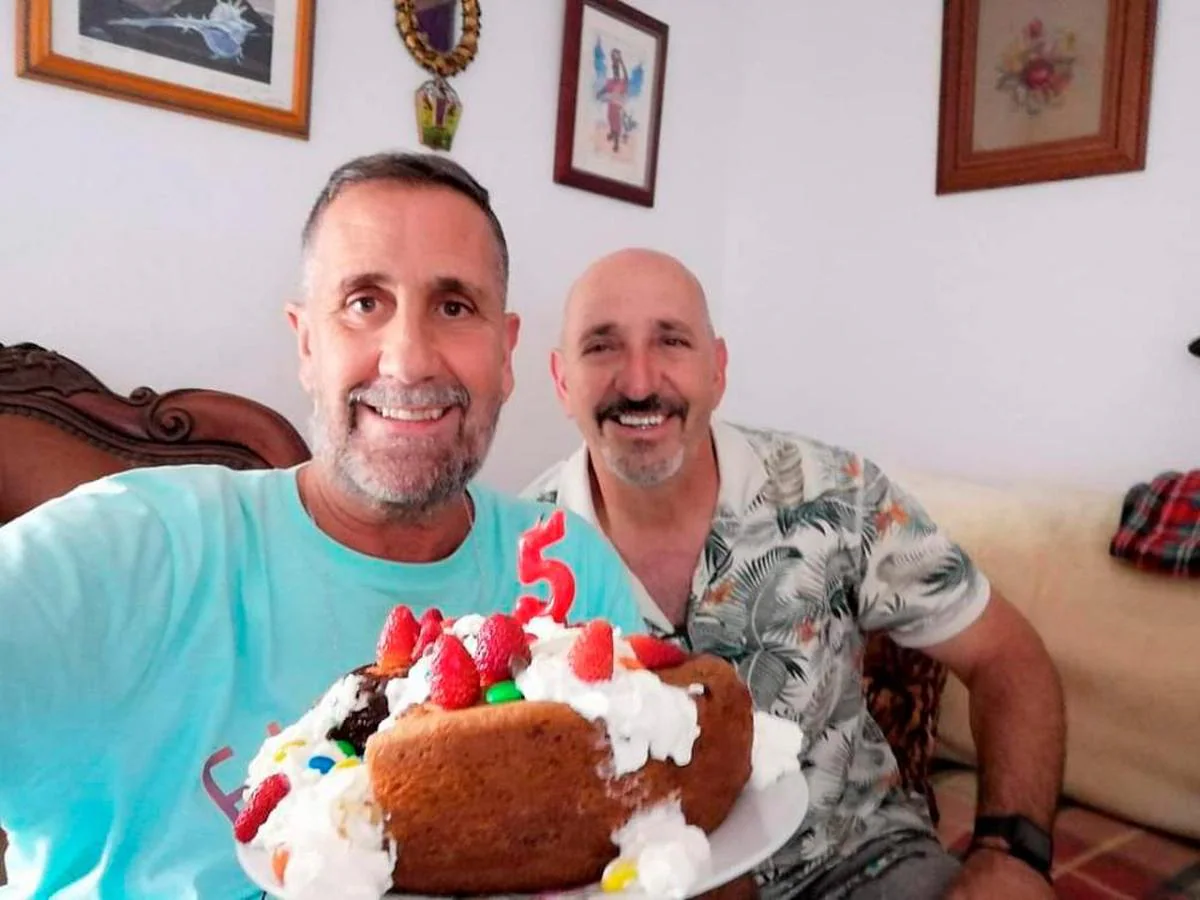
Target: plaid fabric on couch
[(1096, 857), (1160, 525)]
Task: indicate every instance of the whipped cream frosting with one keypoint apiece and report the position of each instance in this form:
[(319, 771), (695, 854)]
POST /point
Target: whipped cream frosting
[(668, 854), (776, 749), (644, 716), (329, 823)]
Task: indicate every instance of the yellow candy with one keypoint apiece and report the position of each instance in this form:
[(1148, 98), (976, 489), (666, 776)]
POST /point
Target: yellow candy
[(348, 763), (618, 875), (282, 753)]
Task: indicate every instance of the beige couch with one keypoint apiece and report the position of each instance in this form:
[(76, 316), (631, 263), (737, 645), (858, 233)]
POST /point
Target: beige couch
[(1127, 643)]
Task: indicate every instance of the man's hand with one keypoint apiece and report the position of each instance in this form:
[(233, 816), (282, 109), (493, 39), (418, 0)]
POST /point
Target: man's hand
[(993, 873)]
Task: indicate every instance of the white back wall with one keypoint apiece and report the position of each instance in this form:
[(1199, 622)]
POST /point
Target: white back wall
[(159, 248), (1034, 332)]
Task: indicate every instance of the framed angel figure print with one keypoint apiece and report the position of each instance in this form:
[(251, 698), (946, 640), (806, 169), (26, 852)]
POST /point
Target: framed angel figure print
[(610, 104)]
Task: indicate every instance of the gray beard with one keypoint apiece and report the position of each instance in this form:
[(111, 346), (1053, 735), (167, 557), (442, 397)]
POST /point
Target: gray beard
[(401, 498), (639, 473)]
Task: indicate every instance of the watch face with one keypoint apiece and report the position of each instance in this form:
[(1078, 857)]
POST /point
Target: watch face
[(1033, 838)]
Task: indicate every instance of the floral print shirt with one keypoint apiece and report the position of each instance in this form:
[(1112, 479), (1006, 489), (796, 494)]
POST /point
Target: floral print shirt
[(810, 547)]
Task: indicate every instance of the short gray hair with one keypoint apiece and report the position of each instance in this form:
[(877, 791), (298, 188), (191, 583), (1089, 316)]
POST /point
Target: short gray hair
[(418, 170)]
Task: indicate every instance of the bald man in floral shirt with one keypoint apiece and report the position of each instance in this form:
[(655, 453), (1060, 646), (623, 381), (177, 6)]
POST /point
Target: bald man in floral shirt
[(780, 553)]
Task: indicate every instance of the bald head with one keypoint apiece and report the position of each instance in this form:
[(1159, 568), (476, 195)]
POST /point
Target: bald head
[(639, 367), (636, 272)]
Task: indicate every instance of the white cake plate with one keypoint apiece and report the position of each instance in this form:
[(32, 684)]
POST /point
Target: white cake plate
[(760, 822)]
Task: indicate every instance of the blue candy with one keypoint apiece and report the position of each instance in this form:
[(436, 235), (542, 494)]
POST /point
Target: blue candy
[(321, 763)]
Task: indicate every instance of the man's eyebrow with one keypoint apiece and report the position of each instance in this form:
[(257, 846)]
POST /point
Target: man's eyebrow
[(452, 284), (442, 284), (673, 325), (604, 329), (352, 283)]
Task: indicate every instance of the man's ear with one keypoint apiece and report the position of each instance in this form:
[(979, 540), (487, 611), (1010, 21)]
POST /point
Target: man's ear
[(297, 316), (722, 353), (558, 374), (512, 332)]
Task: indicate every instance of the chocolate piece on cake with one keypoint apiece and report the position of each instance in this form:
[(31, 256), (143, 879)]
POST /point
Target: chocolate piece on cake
[(364, 722)]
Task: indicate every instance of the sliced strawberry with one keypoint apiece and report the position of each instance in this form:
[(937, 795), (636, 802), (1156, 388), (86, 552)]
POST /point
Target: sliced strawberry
[(591, 656), (655, 653), (433, 614), (453, 678), (501, 649), (394, 651), (262, 801)]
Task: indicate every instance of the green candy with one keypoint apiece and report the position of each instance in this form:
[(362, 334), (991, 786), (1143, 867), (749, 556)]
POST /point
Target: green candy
[(503, 692), (347, 748)]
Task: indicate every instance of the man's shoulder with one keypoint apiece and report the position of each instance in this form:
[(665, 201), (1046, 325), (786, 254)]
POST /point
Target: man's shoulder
[(791, 458), (203, 481), (769, 442), (166, 493)]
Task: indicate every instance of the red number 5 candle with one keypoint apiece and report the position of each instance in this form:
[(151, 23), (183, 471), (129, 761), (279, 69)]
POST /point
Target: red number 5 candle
[(533, 567)]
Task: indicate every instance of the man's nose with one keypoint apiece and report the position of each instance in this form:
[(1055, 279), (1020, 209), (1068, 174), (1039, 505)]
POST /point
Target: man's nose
[(638, 378), (408, 349)]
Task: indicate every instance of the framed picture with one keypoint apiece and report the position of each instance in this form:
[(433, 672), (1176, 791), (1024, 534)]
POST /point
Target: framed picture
[(610, 96), (1040, 90), (243, 61)]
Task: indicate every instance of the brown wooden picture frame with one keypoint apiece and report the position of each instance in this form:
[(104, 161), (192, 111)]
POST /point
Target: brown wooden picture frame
[(569, 169), (38, 58), (1118, 146)]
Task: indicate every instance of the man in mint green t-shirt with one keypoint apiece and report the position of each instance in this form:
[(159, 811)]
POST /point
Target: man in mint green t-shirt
[(156, 626)]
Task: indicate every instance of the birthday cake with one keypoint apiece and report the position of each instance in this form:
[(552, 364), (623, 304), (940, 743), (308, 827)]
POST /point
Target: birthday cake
[(514, 753)]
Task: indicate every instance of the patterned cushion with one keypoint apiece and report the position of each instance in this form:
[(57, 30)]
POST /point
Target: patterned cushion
[(904, 689)]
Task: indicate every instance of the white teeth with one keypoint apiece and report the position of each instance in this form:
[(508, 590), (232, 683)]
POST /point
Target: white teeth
[(412, 415), (641, 421)]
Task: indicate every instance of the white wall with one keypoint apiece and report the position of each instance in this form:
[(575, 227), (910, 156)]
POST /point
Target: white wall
[(1025, 332), (158, 248), (1035, 331)]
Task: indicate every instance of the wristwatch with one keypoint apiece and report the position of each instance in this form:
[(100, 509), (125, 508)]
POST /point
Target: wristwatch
[(1017, 836)]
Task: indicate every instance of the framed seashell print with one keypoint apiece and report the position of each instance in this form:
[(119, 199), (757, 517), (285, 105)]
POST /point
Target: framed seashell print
[(1042, 90), (247, 62)]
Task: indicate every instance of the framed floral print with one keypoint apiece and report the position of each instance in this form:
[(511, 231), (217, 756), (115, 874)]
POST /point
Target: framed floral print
[(614, 63), (1041, 90), (243, 61)]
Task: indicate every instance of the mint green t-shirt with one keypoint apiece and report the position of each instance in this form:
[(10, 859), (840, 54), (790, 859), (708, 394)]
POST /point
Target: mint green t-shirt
[(156, 626)]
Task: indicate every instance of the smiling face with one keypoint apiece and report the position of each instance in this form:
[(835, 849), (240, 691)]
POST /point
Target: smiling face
[(405, 345), (640, 370)]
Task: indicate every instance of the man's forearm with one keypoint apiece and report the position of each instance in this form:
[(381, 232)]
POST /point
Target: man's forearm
[(1017, 720)]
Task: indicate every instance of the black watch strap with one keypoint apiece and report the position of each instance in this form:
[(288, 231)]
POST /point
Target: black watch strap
[(1025, 840)]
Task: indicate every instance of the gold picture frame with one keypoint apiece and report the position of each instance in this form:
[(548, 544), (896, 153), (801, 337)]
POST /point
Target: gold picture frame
[(240, 63)]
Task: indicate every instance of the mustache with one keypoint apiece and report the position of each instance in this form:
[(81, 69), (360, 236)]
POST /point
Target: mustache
[(647, 406), (382, 395)]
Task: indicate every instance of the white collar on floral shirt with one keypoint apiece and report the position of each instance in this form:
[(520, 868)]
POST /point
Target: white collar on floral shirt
[(742, 474)]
